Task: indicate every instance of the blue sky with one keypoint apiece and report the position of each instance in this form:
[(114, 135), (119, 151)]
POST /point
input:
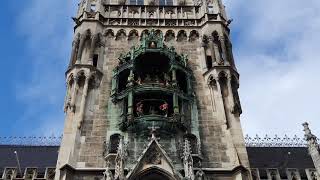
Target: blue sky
[(276, 47)]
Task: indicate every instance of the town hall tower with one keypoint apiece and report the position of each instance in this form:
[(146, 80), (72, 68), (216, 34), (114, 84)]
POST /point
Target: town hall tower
[(152, 93)]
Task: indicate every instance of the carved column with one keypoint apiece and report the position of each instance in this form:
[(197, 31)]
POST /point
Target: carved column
[(130, 106), (188, 161), (213, 54), (216, 51), (74, 93), (204, 55), (67, 97), (189, 85), (75, 45), (83, 101), (313, 146), (224, 52), (81, 46), (119, 161), (175, 103), (231, 95), (213, 87), (222, 103), (114, 83), (94, 41), (174, 77)]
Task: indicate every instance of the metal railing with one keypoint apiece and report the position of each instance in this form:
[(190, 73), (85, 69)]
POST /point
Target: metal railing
[(255, 141), (275, 141)]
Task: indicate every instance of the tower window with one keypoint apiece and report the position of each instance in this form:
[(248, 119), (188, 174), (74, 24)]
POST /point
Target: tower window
[(93, 8), (95, 60), (209, 62), (166, 2), (136, 2), (114, 143), (210, 9)]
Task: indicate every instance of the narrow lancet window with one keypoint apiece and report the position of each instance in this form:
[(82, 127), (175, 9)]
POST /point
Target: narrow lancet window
[(95, 60)]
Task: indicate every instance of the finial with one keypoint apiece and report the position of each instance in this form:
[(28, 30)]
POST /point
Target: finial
[(153, 130), (307, 131)]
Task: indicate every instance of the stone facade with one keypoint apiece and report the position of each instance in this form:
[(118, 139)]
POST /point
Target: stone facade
[(199, 137), (313, 146)]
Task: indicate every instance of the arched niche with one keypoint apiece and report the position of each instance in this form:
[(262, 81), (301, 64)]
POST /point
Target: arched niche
[(153, 173), (114, 143), (152, 67)]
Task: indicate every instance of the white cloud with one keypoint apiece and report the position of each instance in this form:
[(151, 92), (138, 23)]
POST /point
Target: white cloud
[(46, 27), (277, 53)]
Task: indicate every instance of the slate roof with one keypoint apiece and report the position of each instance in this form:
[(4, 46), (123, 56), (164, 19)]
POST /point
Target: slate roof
[(40, 157), (259, 157), (280, 158)]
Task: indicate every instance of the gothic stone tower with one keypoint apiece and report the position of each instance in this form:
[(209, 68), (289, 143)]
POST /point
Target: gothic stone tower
[(152, 93)]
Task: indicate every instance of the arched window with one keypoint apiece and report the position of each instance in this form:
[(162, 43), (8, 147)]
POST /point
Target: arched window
[(165, 2), (136, 2), (114, 143)]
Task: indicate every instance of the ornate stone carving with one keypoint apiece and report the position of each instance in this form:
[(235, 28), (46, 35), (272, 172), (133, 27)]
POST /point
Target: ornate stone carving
[(197, 2), (119, 161), (187, 161), (154, 157), (171, 22), (133, 22), (107, 175)]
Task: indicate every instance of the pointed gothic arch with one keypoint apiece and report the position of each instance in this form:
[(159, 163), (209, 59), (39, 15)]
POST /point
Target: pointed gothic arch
[(153, 173), (114, 143), (133, 35), (194, 35), (121, 34), (145, 32), (109, 33), (170, 35), (182, 36)]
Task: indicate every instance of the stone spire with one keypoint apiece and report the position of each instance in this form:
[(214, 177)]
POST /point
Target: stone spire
[(119, 161), (188, 161), (314, 148)]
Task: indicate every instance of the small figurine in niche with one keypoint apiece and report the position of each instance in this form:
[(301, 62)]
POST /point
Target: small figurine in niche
[(164, 108), (138, 81), (166, 79), (139, 109), (153, 45), (148, 78), (157, 80), (130, 80)]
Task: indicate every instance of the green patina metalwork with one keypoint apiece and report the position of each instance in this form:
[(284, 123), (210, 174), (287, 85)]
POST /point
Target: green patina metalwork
[(152, 43)]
